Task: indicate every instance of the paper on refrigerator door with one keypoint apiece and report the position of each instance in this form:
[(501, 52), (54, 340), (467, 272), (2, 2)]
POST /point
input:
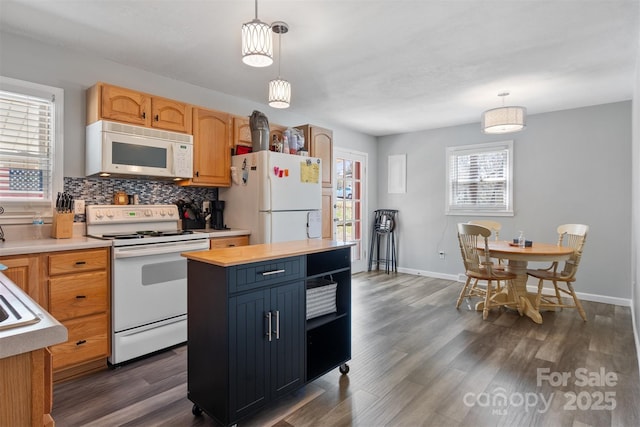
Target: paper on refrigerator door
[(310, 171), (314, 224)]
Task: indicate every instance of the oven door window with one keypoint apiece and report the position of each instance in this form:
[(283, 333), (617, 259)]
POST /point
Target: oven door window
[(148, 289)]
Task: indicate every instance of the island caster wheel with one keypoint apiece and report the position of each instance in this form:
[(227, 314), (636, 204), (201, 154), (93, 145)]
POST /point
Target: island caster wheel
[(344, 369), (196, 410)]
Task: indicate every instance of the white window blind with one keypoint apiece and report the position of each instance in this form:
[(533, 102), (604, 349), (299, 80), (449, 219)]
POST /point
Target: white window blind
[(30, 173), (25, 147), (479, 179)]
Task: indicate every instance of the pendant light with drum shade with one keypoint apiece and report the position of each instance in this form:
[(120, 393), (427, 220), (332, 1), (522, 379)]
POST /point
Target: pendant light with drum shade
[(257, 42), (504, 119), (279, 89)]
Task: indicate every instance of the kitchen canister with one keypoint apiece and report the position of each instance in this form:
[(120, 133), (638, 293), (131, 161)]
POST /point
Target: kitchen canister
[(259, 125)]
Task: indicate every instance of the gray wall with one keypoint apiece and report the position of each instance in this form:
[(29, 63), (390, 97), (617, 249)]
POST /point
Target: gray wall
[(570, 166), (74, 72)]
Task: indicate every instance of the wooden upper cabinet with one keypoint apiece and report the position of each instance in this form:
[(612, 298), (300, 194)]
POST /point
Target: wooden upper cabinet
[(125, 105), (242, 131), (211, 149), (120, 104), (172, 115), (319, 143)]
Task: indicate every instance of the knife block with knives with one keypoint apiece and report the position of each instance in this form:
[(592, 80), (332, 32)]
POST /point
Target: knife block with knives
[(62, 225)]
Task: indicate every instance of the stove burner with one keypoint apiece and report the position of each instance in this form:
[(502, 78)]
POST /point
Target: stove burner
[(163, 233), (122, 236)]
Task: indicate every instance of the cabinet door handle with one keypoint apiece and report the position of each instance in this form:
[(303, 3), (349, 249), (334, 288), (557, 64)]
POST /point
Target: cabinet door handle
[(157, 118), (277, 324), (269, 273), (81, 262), (268, 317), (144, 115), (81, 342)]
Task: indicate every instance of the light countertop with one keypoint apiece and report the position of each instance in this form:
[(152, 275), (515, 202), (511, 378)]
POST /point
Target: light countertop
[(230, 232), (226, 257), (48, 331), (48, 244), (20, 241)]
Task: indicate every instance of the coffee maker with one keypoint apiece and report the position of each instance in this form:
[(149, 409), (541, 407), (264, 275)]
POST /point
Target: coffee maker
[(217, 217)]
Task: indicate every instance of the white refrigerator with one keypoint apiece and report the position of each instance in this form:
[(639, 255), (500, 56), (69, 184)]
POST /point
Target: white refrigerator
[(275, 195)]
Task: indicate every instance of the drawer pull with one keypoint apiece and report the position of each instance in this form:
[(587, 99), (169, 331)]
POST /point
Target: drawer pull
[(269, 273), (81, 262), (81, 342), (231, 245), (80, 296)]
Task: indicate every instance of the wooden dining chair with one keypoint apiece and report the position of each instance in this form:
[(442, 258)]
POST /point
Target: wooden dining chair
[(569, 235), (495, 228), (478, 267)]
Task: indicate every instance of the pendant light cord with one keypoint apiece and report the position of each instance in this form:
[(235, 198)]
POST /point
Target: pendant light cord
[(279, 52)]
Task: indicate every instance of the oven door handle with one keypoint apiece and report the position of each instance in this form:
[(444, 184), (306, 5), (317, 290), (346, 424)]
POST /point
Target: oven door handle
[(159, 249)]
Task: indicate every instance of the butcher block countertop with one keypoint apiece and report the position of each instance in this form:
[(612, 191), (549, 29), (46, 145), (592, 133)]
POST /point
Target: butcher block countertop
[(227, 257)]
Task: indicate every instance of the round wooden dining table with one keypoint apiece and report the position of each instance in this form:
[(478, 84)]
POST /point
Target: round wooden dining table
[(518, 259)]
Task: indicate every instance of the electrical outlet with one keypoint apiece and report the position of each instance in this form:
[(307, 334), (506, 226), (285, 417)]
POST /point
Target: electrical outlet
[(78, 207), (441, 253)]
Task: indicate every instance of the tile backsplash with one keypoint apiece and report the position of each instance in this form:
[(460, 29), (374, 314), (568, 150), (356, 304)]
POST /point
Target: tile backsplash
[(100, 191)]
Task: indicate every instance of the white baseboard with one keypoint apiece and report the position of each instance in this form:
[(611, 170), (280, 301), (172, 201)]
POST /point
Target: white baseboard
[(430, 274), (625, 302)]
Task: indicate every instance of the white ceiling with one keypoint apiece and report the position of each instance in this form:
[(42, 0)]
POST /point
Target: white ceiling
[(379, 67)]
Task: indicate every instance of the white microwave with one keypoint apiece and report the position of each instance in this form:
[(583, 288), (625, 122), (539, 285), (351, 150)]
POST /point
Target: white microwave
[(121, 150)]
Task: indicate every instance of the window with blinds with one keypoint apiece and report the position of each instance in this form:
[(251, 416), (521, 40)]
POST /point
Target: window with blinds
[(479, 179), (28, 173)]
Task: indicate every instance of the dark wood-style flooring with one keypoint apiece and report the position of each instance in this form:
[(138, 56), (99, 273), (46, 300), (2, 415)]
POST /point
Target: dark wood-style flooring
[(416, 361)]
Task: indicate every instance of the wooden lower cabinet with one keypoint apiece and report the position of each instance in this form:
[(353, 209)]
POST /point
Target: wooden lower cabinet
[(26, 390), (79, 293), (88, 341), (228, 242), (74, 286), (24, 271)]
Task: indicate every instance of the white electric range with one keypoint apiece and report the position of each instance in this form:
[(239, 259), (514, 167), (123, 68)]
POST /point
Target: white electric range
[(148, 275)]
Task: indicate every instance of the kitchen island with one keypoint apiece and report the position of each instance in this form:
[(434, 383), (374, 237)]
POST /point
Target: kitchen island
[(251, 338)]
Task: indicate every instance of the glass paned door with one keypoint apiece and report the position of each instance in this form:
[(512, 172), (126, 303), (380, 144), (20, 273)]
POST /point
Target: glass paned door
[(349, 203)]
